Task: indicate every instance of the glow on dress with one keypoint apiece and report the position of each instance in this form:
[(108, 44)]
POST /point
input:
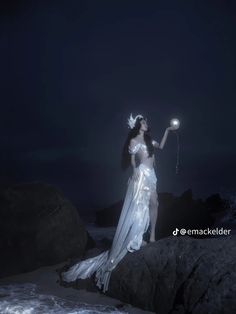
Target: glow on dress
[(133, 223)]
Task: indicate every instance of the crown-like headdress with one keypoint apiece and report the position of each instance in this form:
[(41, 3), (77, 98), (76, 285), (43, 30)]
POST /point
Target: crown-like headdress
[(132, 121)]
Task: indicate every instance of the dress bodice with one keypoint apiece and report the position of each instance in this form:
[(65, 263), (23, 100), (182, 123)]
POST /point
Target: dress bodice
[(141, 148)]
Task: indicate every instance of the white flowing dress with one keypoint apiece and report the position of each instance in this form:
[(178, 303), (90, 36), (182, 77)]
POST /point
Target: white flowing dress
[(133, 223)]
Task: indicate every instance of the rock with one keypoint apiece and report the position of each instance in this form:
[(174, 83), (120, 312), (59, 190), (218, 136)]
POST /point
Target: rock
[(179, 275), (216, 204), (90, 242), (181, 212), (106, 243), (109, 216), (39, 227)]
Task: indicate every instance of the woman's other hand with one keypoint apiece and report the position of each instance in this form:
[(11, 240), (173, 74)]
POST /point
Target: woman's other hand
[(136, 174)]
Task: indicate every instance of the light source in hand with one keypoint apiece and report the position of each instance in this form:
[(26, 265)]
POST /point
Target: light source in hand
[(175, 123)]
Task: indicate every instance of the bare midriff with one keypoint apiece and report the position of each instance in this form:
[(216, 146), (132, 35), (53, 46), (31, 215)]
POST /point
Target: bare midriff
[(143, 157)]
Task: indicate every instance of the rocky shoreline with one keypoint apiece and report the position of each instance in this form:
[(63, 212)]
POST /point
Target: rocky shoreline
[(42, 234)]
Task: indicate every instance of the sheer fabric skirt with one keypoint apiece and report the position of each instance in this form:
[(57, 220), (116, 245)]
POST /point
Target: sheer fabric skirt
[(133, 223)]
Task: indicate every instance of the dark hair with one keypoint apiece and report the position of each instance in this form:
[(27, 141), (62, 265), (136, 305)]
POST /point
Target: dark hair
[(126, 157)]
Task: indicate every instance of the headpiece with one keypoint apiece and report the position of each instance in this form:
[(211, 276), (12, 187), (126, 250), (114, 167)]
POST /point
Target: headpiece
[(132, 121)]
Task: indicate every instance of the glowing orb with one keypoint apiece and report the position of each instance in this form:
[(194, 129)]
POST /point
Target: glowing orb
[(175, 123)]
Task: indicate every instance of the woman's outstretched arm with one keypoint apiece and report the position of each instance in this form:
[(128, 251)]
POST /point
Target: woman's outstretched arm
[(164, 138)]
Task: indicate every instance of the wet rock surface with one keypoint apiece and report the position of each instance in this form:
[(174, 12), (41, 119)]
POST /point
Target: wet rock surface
[(179, 275)]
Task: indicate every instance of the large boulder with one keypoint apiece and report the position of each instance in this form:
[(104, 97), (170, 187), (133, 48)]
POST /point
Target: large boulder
[(179, 275), (109, 216), (38, 227)]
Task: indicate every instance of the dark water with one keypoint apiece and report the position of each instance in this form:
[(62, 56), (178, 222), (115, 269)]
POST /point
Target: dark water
[(24, 299)]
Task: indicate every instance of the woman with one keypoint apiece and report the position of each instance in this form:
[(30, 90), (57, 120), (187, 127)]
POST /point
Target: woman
[(141, 198)]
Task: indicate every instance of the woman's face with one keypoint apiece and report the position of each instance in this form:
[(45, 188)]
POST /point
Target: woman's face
[(144, 125)]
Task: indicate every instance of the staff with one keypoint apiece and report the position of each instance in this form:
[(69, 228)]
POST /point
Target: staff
[(175, 124)]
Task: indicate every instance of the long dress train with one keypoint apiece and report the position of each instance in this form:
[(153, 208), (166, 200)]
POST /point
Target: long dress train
[(133, 223)]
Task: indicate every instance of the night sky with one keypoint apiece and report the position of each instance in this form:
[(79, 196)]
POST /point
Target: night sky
[(73, 71)]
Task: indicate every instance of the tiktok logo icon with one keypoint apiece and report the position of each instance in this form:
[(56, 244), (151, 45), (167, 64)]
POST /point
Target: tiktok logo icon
[(175, 232)]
